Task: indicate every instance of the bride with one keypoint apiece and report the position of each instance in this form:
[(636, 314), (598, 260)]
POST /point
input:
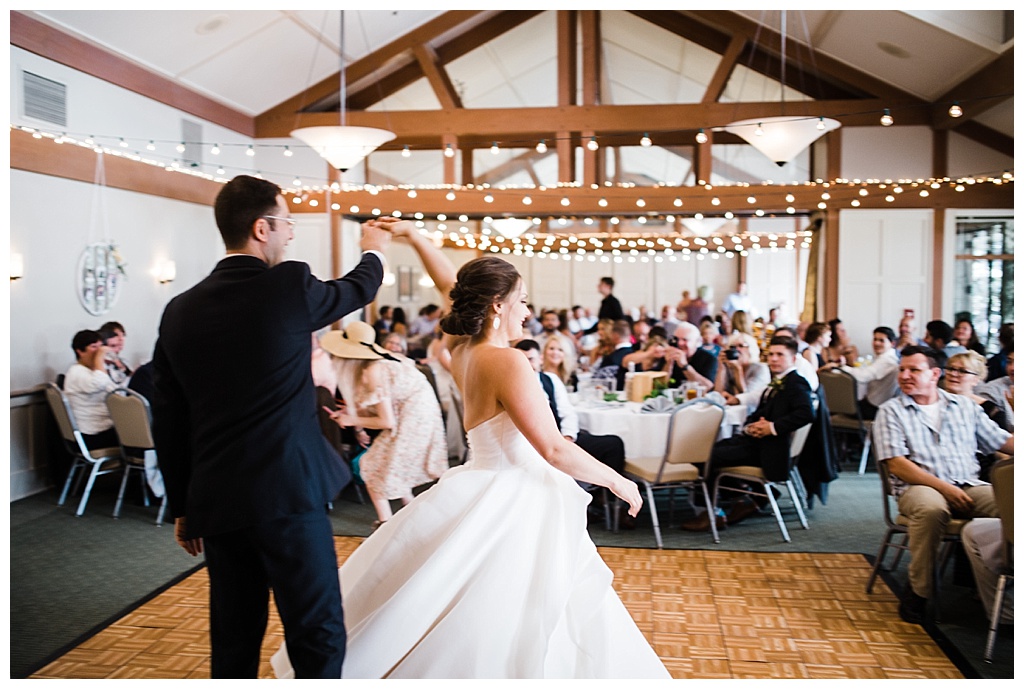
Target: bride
[(491, 572)]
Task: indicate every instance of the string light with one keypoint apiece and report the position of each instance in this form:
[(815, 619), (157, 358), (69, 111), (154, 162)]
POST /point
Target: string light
[(886, 118), (215, 150), (250, 151), (287, 153), (645, 140), (449, 152), (151, 146), (702, 138), (592, 144), (406, 152), (955, 110), (494, 148), (542, 147)]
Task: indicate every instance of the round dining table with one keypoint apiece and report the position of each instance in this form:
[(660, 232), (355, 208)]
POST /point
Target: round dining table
[(643, 433)]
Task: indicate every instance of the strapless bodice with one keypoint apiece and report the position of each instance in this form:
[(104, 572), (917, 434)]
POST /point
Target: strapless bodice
[(497, 444)]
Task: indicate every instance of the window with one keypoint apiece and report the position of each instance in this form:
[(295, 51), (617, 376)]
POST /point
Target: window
[(983, 288)]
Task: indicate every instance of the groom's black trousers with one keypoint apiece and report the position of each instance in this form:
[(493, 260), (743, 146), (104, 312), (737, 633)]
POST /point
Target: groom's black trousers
[(294, 556)]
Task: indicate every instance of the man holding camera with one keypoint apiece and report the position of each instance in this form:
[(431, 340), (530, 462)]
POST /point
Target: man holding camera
[(686, 361), (740, 379)]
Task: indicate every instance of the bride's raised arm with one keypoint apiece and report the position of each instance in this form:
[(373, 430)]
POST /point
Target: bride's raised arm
[(517, 390)]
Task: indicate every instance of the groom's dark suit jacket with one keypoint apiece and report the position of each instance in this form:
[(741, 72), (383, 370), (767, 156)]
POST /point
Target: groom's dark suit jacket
[(788, 407), (235, 414)]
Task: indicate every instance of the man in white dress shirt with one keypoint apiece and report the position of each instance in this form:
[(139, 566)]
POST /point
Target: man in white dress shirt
[(738, 301), (877, 379), (86, 386)]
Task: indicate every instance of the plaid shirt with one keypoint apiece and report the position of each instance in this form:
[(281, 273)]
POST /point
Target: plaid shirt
[(902, 429)]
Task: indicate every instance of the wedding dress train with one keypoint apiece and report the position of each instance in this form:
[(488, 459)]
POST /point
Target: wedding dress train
[(488, 574)]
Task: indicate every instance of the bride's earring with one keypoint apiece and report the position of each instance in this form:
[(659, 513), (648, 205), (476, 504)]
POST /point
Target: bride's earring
[(496, 322)]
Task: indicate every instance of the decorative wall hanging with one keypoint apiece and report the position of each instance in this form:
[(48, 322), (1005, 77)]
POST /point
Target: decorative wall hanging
[(99, 276)]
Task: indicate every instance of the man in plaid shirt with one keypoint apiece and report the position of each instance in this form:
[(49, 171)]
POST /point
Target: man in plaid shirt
[(930, 440)]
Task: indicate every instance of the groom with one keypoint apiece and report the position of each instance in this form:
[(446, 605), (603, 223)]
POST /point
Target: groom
[(248, 472)]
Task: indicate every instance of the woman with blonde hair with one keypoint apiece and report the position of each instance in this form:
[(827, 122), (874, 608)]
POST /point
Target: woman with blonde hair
[(743, 331), (555, 359)]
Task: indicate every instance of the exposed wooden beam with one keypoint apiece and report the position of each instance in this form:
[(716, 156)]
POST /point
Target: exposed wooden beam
[(566, 32), (986, 88), (986, 136), (529, 124), (70, 161), (439, 80), (590, 31), (377, 65), (724, 70), (42, 39)]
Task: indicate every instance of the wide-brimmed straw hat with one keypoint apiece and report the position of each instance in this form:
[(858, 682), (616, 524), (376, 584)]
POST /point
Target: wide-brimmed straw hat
[(356, 341)]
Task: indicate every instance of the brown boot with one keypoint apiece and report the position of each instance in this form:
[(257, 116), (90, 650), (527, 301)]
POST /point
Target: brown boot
[(702, 523)]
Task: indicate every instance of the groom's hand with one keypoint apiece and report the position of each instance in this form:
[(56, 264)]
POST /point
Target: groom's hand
[(376, 234), (192, 546)]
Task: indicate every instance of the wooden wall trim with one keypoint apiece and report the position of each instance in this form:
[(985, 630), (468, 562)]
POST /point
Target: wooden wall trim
[(830, 271), (938, 253), (46, 41), (70, 161)]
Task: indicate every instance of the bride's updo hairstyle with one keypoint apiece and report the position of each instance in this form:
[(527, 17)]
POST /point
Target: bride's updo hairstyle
[(478, 284)]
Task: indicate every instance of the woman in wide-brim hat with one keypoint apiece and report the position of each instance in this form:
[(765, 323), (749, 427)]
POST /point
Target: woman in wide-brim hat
[(385, 391)]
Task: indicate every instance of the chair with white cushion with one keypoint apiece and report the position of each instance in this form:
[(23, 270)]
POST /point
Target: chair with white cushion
[(692, 432), (97, 462)]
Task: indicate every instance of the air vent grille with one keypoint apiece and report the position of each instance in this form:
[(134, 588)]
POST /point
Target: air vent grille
[(45, 99)]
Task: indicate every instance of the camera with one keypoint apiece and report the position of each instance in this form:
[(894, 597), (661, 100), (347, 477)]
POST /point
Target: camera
[(674, 342), (732, 354)]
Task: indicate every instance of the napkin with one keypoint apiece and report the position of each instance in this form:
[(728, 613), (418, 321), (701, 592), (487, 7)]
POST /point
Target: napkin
[(657, 405)]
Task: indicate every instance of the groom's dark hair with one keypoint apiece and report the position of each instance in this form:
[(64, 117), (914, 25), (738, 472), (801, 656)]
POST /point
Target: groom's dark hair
[(240, 203)]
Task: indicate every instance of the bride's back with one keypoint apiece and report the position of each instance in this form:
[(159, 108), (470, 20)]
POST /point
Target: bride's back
[(473, 368)]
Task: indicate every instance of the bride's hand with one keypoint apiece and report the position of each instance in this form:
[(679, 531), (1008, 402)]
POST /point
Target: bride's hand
[(628, 491)]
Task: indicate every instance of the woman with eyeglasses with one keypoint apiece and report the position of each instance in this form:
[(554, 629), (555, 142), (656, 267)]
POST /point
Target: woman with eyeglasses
[(963, 373)]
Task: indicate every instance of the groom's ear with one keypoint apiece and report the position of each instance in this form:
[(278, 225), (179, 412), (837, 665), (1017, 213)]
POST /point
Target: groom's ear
[(260, 230)]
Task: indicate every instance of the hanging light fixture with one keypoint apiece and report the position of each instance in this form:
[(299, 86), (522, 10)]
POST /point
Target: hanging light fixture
[(511, 227), (343, 146), (782, 138)]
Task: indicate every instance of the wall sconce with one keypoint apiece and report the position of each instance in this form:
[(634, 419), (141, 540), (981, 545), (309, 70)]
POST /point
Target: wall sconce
[(166, 272), (17, 267)]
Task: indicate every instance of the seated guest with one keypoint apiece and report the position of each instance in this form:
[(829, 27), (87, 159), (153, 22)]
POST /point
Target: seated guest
[(554, 360), (641, 331), (142, 380), (877, 377), (803, 366), (963, 374), (818, 338), (709, 335), (840, 350), (86, 386), (741, 378), (983, 542), (394, 342), (764, 439), (685, 361), (609, 366), (939, 336), (551, 325), (997, 363), (997, 395), (965, 335), (112, 333), (935, 475), (743, 329), (607, 449), (907, 334), (652, 356)]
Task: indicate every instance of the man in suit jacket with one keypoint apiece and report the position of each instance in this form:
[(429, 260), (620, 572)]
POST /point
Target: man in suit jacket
[(248, 472), (764, 440)]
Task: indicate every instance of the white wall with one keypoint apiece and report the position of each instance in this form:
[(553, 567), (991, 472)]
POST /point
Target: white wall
[(885, 266)]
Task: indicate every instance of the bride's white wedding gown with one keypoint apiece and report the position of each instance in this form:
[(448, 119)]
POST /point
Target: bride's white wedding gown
[(488, 574)]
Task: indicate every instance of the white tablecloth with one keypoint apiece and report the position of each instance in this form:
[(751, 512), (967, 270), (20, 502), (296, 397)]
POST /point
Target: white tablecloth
[(643, 434)]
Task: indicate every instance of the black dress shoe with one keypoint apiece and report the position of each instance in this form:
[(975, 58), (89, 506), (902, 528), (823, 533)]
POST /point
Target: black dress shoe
[(912, 607), (741, 510), (702, 523)]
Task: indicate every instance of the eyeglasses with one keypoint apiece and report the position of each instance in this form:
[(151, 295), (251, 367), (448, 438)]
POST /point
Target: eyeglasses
[(961, 371), (290, 221)]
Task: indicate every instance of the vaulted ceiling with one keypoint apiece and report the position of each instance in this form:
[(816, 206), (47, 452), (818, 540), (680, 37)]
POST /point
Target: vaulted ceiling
[(473, 79)]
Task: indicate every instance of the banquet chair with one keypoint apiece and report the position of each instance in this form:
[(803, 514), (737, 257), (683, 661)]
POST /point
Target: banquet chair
[(133, 422), (899, 526), (754, 474), (692, 432), (97, 462), (841, 394), (1002, 486)]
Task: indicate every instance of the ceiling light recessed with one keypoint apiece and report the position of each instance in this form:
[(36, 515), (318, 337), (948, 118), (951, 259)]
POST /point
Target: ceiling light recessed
[(208, 26), (894, 50)]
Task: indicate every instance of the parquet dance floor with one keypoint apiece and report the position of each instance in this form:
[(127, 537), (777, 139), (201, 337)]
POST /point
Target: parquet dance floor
[(709, 615)]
